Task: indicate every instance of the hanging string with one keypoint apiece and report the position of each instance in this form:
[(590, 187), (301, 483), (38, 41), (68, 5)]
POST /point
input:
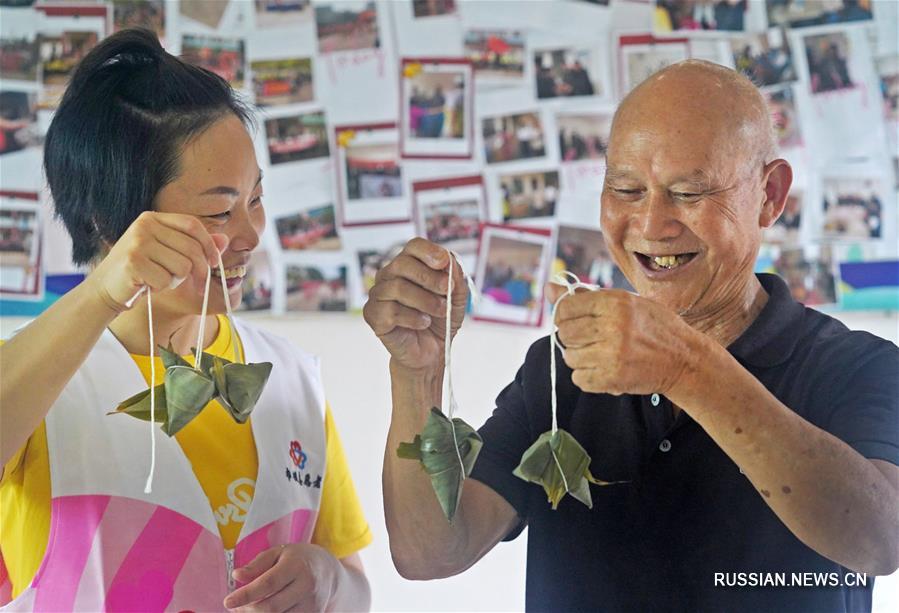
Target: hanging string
[(228, 310), (562, 278), (202, 331), (448, 399), (148, 487)]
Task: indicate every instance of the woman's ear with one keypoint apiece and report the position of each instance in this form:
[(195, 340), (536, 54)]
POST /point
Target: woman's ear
[(778, 176)]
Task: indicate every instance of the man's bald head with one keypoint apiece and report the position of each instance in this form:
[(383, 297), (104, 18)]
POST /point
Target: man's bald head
[(696, 94)]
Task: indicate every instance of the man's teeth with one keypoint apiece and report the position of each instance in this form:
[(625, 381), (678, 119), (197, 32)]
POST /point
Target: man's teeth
[(231, 273), (669, 261)]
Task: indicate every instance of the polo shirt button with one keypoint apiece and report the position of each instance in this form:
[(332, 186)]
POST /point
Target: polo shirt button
[(665, 445), (655, 400)]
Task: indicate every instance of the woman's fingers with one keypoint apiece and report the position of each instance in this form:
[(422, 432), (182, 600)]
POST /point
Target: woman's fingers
[(409, 294)]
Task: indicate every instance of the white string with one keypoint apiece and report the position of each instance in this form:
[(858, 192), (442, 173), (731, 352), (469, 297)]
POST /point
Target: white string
[(148, 487), (562, 278), (202, 330), (448, 401), (227, 299)]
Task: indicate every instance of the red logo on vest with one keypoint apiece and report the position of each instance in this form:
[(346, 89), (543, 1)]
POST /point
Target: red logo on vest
[(297, 454)]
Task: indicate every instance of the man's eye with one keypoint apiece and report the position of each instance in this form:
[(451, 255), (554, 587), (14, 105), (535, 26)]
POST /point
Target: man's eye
[(686, 195), (219, 216), (626, 192)]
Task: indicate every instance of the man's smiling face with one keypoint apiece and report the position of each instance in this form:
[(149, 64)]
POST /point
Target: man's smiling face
[(685, 188)]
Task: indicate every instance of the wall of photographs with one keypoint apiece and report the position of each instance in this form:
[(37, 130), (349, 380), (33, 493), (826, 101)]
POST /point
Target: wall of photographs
[(481, 125)]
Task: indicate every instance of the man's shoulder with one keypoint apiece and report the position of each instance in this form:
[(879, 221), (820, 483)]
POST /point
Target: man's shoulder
[(826, 337)]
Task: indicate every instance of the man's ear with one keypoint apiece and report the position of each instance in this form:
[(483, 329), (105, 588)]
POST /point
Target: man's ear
[(778, 176)]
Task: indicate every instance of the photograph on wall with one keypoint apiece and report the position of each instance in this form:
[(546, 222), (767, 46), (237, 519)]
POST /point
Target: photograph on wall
[(805, 13), (449, 212), (59, 54), (369, 175), (692, 15), (765, 58), (433, 8), (809, 273), (256, 287), (852, 207), (370, 261), (871, 285), (203, 11), (497, 56), (436, 117), (20, 248), (828, 62), (888, 73), (583, 251), (297, 138), (223, 56), (529, 194), (566, 72), (785, 230), (18, 121), (782, 106), (583, 136), (313, 228), (509, 138), (282, 13), (347, 25), (20, 58), (512, 268), (316, 286), (280, 82), (642, 55), (148, 14)]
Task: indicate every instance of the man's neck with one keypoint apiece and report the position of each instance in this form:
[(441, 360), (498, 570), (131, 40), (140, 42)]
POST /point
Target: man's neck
[(727, 323), (131, 329)]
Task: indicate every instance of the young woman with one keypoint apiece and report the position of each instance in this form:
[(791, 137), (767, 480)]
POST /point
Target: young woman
[(153, 172)]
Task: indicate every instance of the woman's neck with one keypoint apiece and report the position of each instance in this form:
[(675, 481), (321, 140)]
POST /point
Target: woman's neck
[(132, 330)]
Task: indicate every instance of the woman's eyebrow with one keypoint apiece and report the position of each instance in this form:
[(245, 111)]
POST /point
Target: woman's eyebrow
[(226, 190)]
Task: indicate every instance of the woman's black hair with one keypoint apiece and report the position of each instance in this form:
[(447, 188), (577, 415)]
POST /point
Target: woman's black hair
[(116, 138)]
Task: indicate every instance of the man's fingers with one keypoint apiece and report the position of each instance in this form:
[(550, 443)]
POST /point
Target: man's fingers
[(412, 269), (384, 317), (580, 331), (410, 295), (433, 255)]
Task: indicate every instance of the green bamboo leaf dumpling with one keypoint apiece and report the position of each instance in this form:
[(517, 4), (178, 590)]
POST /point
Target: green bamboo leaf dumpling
[(542, 461), (187, 391), (435, 449), (139, 405), (239, 386)]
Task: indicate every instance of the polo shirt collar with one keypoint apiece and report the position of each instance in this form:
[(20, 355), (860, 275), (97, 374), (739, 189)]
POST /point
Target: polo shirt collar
[(772, 337)]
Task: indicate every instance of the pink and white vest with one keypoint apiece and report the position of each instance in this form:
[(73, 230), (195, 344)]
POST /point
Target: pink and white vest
[(114, 548)]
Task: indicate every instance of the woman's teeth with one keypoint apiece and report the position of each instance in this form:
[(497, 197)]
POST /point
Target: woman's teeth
[(232, 273)]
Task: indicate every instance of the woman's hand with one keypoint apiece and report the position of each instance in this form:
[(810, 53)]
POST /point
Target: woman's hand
[(406, 307), (159, 251), (296, 577)]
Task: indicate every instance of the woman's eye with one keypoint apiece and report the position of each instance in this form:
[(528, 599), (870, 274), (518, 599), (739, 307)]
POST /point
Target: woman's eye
[(224, 216)]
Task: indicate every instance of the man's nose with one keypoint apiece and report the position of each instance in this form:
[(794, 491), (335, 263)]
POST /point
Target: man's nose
[(658, 217)]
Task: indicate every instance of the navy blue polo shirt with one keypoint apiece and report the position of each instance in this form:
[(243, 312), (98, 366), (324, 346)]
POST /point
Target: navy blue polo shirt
[(689, 532)]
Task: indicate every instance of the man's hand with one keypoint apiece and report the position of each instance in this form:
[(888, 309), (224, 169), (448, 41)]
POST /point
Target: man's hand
[(620, 343), (406, 307), (297, 577)]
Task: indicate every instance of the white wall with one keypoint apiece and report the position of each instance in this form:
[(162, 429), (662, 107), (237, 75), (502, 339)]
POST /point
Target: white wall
[(485, 359)]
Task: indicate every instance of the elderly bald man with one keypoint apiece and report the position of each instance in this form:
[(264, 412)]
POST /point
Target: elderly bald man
[(758, 438)]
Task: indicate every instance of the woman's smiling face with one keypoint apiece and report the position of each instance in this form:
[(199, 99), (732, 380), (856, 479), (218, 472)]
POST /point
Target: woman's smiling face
[(220, 183)]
